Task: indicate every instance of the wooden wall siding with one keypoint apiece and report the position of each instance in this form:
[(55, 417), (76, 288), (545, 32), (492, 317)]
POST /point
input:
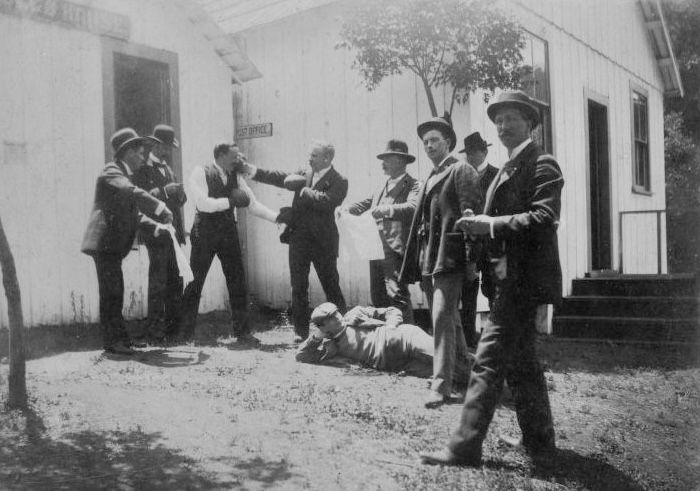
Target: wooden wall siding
[(52, 149), (308, 90)]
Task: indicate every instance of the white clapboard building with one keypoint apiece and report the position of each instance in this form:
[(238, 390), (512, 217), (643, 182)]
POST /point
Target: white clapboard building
[(270, 69)]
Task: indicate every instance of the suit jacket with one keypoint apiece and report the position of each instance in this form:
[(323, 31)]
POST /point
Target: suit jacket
[(486, 178), (117, 213), (150, 178), (526, 208), (402, 199), (312, 216), (433, 245)]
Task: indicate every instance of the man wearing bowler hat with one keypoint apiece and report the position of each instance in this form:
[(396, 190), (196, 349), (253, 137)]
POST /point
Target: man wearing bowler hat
[(120, 208), (436, 252), (392, 206), (164, 282), (475, 150), (519, 224)]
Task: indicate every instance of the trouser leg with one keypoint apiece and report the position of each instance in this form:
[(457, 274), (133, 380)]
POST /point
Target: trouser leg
[(448, 337), (326, 266), (229, 253), (377, 288), (526, 380), (470, 292), (157, 282), (173, 294), (110, 282), (397, 292), (200, 261), (299, 266)]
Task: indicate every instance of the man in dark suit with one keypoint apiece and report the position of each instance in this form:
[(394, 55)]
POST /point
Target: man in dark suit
[(435, 252), (520, 220), (475, 150), (120, 209), (310, 228), (392, 207), (164, 282)]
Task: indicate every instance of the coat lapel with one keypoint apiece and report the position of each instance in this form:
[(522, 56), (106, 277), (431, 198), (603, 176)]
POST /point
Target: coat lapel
[(325, 178), (440, 176), (501, 179)]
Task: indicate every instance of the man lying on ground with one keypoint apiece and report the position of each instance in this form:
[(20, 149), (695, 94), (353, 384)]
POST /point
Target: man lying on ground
[(375, 337)]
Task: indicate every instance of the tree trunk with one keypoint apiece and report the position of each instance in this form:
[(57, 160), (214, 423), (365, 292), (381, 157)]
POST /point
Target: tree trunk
[(17, 382), (431, 99)]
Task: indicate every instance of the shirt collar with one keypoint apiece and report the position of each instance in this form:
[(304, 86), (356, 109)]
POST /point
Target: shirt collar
[(519, 149), (396, 179), (153, 158), (128, 169), (482, 167), (322, 172)]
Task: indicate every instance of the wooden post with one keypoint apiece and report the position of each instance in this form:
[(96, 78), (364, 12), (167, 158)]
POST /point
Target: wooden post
[(17, 381)]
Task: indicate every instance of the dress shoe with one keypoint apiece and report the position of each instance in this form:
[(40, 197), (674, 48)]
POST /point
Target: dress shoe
[(120, 348), (248, 340), (447, 457), (435, 400)]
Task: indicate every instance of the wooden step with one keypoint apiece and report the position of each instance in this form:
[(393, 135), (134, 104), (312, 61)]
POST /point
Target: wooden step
[(625, 306), (684, 285), (628, 328)]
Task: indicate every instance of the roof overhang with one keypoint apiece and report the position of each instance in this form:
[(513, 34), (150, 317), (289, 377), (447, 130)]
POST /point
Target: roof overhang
[(225, 46), (663, 50)]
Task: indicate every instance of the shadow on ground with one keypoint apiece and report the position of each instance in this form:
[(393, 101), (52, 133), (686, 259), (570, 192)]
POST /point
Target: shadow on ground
[(572, 469), (96, 460)]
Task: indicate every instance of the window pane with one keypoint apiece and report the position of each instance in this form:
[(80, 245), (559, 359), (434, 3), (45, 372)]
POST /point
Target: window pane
[(534, 81)]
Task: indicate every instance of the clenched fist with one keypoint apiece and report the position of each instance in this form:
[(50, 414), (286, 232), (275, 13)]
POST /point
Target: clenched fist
[(239, 198), (294, 182)]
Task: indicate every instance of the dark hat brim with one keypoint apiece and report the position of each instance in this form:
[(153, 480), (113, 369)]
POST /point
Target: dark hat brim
[(406, 156), (423, 128), (131, 142), (175, 143), (530, 110), (464, 150)]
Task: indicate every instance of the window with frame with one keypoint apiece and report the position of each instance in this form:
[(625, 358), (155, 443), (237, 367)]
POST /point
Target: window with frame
[(640, 142), (534, 81)]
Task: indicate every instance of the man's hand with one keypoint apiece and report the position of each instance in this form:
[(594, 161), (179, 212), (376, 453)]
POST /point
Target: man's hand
[(166, 215), (381, 211), (285, 215), (475, 225), (329, 349), (175, 189), (341, 210), (294, 182)]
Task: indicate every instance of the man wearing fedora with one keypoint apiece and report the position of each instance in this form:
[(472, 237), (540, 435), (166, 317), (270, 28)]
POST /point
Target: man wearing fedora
[(436, 252), (475, 150), (120, 208), (164, 282), (519, 224), (392, 206)]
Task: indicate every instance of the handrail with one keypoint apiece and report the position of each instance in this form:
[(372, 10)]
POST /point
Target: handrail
[(658, 233)]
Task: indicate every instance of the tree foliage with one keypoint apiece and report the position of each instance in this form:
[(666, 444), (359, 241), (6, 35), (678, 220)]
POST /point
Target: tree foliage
[(462, 44)]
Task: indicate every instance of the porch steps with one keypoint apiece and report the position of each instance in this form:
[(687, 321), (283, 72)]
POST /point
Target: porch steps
[(631, 307)]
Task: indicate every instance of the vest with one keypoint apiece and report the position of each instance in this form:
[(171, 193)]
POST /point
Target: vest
[(208, 223)]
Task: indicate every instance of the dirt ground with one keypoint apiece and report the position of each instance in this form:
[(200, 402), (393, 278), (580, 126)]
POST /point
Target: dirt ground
[(210, 416)]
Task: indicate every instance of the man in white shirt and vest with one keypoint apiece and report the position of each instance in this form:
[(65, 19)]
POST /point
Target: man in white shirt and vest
[(217, 190), (392, 206)]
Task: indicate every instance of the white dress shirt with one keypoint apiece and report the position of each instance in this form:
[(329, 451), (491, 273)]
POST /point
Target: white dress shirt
[(318, 175), (204, 203), (432, 178)]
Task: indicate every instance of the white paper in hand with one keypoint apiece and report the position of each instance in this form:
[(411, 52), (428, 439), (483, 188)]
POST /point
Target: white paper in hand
[(359, 235), (183, 265)]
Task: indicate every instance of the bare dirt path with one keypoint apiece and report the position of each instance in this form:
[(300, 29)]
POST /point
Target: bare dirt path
[(211, 417)]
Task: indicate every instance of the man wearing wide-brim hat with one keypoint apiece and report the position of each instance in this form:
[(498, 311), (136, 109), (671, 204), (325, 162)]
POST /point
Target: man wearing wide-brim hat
[(164, 281), (120, 209), (435, 252), (519, 224), (392, 205)]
